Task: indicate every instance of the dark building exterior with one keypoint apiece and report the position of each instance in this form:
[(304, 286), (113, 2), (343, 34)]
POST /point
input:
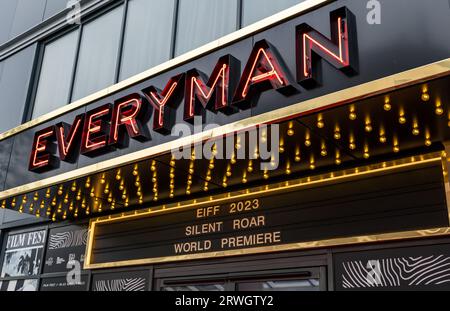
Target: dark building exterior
[(224, 145)]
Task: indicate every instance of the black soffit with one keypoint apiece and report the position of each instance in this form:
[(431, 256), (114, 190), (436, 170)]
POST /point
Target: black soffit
[(411, 120)]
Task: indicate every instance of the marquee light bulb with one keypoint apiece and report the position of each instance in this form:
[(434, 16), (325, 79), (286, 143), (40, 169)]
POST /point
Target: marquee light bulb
[(135, 170), (288, 168), (352, 115), (88, 183), (366, 154), (368, 127), (396, 148), (308, 139), (320, 123), (323, 151), (425, 97), (281, 147), (250, 166), (297, 154), (439, 110), (387, 104), (103, 179), (290, 131), (337, 134), (338, 160), (119, 174)]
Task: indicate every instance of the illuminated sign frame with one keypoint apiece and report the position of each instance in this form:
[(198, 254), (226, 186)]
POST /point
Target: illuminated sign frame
[(112, 125)]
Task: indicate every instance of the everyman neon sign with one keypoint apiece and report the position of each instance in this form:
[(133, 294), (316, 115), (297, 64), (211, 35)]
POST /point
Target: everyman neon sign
[(111, 125)]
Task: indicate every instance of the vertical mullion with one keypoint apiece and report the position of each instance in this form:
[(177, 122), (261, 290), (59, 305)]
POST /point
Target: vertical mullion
[(121, 41), (239, 14), (174, 28), (33, 83), (75, 64)]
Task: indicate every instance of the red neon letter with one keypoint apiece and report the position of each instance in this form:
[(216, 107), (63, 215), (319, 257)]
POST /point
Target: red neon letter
[(340, 51), (163, 102), (68, 137), (95, 129), (127, 113), (262, 72), (218, 86), (41, 158)]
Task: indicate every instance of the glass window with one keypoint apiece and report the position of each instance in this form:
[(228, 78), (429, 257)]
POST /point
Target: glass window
[(56, 74), (7, 12), (28, 14), (202, 21), (194, 288), (255, 10), (280, 285), (98, 54), (54, 7), (147, 37), (14, 86)]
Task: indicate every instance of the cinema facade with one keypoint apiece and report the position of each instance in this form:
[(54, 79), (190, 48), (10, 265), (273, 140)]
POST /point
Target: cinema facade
[(305, 151)]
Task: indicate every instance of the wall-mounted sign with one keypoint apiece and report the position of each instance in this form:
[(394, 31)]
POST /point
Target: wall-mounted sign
[(65, 249), (62, 284), (129, 281), (280, 219), (23, 254), (415, 268), (226, 90)]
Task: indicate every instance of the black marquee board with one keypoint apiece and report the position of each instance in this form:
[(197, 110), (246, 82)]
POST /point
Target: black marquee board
[(405, 200)]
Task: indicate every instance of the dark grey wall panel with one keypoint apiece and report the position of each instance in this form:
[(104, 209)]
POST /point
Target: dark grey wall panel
[(13, 216), (14, 86), (29, 13), (7, 12), (5, 154), (18, 172)]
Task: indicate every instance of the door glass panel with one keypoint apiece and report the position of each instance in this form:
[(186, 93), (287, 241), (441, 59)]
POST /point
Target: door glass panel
[(280, 285), (194, 288)]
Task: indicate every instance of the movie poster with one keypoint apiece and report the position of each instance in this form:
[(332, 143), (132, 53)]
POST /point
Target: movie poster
[(19, 286), (23, 254), (66, 249)]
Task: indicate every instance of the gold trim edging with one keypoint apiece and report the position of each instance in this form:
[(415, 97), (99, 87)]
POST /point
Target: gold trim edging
[(374, 169), (359, 92), (177, 61)]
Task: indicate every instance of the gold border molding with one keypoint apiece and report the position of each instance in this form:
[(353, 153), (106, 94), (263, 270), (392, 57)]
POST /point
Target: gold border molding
[(306, 182), (376, 87), (261, 25)]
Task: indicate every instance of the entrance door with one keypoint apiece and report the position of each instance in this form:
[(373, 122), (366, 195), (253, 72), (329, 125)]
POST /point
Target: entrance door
[(304, 279)]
